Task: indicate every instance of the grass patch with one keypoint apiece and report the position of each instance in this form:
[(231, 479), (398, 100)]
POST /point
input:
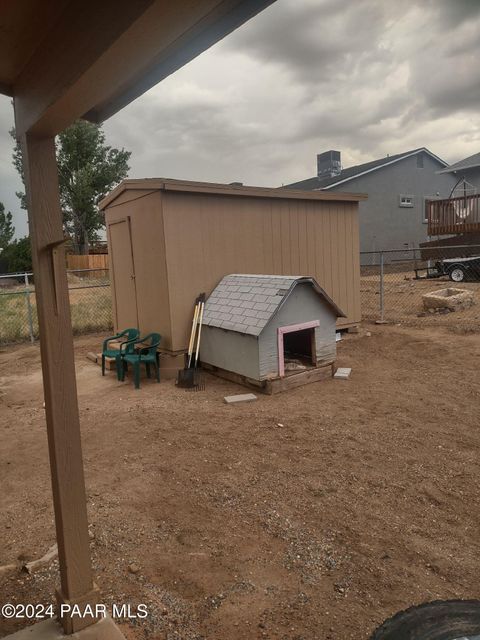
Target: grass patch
[(90, 308)]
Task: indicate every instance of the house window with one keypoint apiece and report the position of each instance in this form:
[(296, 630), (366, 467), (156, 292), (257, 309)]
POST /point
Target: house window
[(405, 201), (419, 160)]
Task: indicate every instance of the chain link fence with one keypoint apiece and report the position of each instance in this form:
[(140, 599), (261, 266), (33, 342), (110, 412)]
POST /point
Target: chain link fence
[(90, 304), (393, 284)]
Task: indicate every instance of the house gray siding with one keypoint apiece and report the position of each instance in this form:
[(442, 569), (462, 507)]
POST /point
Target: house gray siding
[(383, 223), (230, 350), (471, 175), (302, 305)]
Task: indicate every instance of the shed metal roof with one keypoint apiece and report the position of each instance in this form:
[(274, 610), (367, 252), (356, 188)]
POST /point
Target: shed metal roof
[(191, 186), (245, 303)]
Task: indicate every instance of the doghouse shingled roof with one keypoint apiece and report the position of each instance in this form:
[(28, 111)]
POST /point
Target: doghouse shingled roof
[(245, 303)]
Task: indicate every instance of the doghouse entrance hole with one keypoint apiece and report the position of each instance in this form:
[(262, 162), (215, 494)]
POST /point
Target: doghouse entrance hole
[(299, 347)]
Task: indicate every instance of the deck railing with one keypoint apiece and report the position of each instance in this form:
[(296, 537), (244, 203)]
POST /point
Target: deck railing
[(453, 215)]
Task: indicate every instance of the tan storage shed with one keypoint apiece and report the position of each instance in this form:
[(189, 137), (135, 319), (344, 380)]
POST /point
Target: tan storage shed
[(170, 240)]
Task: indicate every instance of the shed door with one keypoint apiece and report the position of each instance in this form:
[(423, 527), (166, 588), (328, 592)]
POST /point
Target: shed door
[(123, 274)]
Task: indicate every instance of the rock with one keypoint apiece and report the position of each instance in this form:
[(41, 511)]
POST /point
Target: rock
[(368, 334), (34, 565), (133, 568), (242, 397)]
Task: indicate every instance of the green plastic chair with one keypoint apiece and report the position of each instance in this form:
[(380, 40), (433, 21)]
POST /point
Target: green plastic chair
[(130, 335), (146, 354)]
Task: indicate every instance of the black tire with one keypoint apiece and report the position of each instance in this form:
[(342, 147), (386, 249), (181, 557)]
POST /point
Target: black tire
[(442, 620), (457, 273)]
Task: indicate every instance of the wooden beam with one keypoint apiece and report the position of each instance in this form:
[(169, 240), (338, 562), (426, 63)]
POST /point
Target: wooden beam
[(61, 406), (76, 41), (99, 59)]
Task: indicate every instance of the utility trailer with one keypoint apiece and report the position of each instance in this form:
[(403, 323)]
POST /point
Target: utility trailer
[(457, 269)]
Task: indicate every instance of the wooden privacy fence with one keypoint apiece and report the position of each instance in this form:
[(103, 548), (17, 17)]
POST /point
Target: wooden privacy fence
[(90, 261)]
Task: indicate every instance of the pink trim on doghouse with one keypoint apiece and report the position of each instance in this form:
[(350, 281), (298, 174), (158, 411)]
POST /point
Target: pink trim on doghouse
[(290, 329)]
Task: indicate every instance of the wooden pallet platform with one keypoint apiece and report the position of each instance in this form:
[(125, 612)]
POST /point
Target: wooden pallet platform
[(276, 385)]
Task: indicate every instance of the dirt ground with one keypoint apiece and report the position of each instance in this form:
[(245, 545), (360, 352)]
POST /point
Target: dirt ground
[(311, 515)]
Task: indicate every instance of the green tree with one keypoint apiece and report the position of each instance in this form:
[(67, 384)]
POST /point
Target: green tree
[(87, 170), (17, 163), (17, 257), (7, 229)]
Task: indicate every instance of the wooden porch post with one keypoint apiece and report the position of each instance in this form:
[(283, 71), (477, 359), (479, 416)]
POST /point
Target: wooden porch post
[(56, 344)]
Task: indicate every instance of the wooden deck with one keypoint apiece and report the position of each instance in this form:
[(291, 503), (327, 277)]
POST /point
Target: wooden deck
[(454, 215)]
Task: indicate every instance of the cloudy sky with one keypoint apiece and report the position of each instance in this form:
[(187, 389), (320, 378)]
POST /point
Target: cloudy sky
[(367, 77)]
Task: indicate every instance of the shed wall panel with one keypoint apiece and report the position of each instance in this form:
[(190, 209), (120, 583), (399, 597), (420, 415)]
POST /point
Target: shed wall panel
[(209, 236)]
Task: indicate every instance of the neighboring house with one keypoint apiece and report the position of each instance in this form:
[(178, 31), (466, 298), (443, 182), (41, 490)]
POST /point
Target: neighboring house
[(467, 170), (397, 186), (253, 324)]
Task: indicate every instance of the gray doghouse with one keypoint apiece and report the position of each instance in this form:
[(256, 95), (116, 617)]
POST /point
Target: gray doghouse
[(256, 325)]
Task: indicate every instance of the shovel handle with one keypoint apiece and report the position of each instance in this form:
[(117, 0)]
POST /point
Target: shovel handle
[(202, 307), (192, 333)]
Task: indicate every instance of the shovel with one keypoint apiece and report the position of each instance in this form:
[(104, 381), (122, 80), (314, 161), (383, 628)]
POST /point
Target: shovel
[(189, 376)]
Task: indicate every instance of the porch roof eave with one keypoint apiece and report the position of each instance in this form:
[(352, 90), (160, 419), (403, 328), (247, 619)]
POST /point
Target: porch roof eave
[(91, 63)]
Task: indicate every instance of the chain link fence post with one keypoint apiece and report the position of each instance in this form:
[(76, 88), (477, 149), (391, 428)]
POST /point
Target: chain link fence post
[(382, 289), (29, 308)]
